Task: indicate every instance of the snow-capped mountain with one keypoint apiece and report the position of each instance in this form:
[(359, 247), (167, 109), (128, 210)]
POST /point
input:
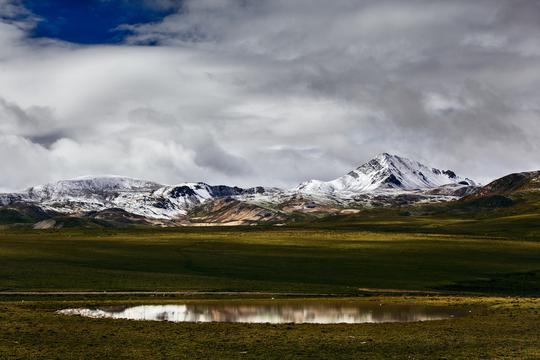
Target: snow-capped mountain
[(384, 181), (385, 174), (139, 197), (88, 187)]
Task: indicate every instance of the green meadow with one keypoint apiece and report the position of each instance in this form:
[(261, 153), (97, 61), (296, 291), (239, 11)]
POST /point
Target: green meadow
[(375, 257), (398, 253)]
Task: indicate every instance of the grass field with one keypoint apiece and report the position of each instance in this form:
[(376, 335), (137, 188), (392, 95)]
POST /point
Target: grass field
[(298, 259), (506, 328), (470, 260)]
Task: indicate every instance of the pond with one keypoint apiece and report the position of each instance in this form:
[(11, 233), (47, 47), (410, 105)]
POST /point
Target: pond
[(276, 312)]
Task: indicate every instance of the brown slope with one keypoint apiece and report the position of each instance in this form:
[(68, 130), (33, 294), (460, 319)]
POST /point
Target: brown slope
[(233, 212), (508, 185)]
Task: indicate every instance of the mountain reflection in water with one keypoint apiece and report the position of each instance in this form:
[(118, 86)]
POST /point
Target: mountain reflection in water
[(277, 313)]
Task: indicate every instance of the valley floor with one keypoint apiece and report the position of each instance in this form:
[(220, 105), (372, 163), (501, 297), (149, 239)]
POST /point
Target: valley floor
[(305, 260), (431, 262), (504, 328)]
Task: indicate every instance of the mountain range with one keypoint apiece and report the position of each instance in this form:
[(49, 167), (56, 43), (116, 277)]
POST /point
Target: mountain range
[(385, 181)]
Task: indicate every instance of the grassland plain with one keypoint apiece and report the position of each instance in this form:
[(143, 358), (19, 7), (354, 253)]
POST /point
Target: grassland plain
[(477, 258), (337, 260), (503, 328)]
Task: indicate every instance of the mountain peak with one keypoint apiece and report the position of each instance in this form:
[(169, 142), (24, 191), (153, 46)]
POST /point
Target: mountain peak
[(386, 156), (90, 184), (389, 160), (387, 172)]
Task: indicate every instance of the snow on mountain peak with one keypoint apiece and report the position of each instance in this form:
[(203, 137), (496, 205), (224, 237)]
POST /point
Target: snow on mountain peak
[(90, 185), (386, 172)]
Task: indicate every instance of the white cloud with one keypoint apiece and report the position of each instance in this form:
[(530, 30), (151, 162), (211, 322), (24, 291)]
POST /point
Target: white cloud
[(252, 92)]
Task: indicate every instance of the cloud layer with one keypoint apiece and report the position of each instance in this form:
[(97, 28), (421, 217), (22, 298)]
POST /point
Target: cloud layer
[(275, 92)]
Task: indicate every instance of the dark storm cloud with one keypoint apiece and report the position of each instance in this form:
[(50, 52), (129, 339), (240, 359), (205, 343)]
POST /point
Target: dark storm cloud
[(274, 92), (35, 123), (210, 155)]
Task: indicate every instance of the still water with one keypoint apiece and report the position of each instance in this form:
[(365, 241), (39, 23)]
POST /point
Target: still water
[(277, 312)]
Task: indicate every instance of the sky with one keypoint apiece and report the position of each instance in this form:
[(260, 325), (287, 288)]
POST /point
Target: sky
[(254, 92)]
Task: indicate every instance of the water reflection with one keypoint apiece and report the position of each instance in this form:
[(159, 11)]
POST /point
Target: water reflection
[(275, 313)]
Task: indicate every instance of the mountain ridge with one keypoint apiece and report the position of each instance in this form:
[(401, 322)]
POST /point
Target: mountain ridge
[(386, 180)]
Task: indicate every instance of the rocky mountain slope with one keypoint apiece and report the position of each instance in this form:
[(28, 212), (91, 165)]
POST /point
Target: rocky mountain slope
[(508, 185), (517, 193), (387, 180)]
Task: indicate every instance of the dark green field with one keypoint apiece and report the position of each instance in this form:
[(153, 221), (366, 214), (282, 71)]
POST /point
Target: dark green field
[(398, 253), (470, 260)]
